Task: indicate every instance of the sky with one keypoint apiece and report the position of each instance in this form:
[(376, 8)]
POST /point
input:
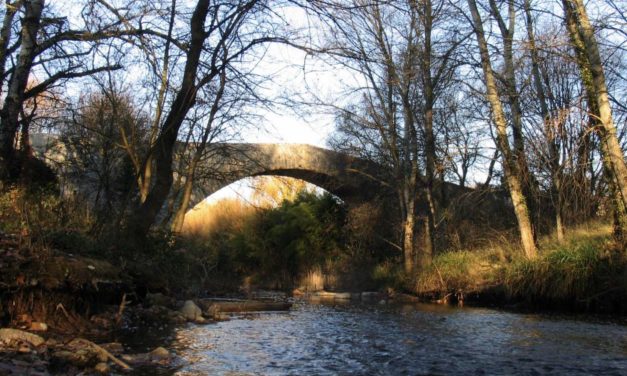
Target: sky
[(295, 74)]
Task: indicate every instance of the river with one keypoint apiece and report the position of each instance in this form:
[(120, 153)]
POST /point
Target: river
[(417, 339)]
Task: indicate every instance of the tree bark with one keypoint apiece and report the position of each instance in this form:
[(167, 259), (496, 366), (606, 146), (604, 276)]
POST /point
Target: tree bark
[(147, 212), (593, 77), (409, 235), (510, 166), (10, 113), (513, 97), (145, 173), (547, 118), (429, 100), (5, 35)]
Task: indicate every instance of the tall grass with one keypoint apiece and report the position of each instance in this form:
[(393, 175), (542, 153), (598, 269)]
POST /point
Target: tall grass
[(460, 271), (228, 214), (580, 271)]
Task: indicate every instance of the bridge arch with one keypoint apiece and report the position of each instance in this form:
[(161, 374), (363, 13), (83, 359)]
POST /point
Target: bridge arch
[(342, 175)]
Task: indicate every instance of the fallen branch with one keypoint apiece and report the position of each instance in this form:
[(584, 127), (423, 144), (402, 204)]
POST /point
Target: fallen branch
[(123, 304), (101, 350)]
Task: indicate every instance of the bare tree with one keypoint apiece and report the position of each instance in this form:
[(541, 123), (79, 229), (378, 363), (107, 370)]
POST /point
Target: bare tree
[(406, 54), (513, 174), (46, 46), (219, 34), (592, 73)]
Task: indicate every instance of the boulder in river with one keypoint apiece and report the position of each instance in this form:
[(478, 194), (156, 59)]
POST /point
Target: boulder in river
[(192, 312), (160, 353)]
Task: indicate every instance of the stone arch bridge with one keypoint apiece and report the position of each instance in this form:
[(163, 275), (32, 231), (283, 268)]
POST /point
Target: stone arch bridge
[(350, 178)]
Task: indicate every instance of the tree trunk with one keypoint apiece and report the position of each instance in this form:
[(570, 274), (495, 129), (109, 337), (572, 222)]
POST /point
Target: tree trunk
[(145, 174), (147, 212), (513, 95), (554, 165), (10, 113), (5, 35), (179, 216), (510, 166), (593, 77), (409, 235)]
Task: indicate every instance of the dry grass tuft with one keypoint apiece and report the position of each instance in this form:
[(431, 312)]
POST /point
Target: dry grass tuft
[(578, 269), (221, 216)]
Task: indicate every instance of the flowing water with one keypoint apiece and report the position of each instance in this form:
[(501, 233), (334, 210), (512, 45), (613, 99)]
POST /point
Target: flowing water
[(357, 339)]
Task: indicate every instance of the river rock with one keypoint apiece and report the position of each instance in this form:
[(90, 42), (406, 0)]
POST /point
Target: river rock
[(79, 358), (102, 368), (176, 317), (159, 354), (192, 312), (8, 335)]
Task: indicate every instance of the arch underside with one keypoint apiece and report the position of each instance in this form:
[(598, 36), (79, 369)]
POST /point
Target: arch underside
[(342, 175), (348, 192)]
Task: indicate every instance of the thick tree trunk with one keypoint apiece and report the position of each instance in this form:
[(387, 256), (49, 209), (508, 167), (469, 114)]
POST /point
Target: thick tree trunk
[(429, 99), (145, 174), (10, 113), (510, 166), (409, 235), (593, 77), (5, 35), (147, 212), (513, 95)]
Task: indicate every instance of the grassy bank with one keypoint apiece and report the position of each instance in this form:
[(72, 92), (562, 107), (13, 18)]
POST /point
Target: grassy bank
[(582, 272)]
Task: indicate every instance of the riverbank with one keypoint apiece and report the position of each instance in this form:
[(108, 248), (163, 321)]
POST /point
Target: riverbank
[(583, 273)]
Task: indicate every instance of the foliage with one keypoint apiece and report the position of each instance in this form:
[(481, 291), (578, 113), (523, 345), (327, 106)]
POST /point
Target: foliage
[(389, 274), (297, 236), (37, 214), (274, 245)]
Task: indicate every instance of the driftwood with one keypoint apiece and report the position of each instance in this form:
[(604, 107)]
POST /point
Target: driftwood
[(333, 295), (212, 306), (80, 342)]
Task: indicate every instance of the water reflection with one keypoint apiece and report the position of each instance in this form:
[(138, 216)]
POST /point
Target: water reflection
[(351, 339)]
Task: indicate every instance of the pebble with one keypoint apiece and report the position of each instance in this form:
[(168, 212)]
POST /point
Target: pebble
[(102, 368)]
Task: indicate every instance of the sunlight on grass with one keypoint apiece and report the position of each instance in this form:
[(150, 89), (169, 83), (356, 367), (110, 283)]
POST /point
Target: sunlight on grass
[(226, 214), (580, 268)]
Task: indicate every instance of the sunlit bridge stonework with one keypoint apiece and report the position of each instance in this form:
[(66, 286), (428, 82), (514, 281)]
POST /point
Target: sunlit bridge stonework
[(351, 179)]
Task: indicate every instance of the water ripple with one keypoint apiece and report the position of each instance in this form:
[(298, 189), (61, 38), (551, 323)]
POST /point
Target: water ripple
[(318, 339)]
